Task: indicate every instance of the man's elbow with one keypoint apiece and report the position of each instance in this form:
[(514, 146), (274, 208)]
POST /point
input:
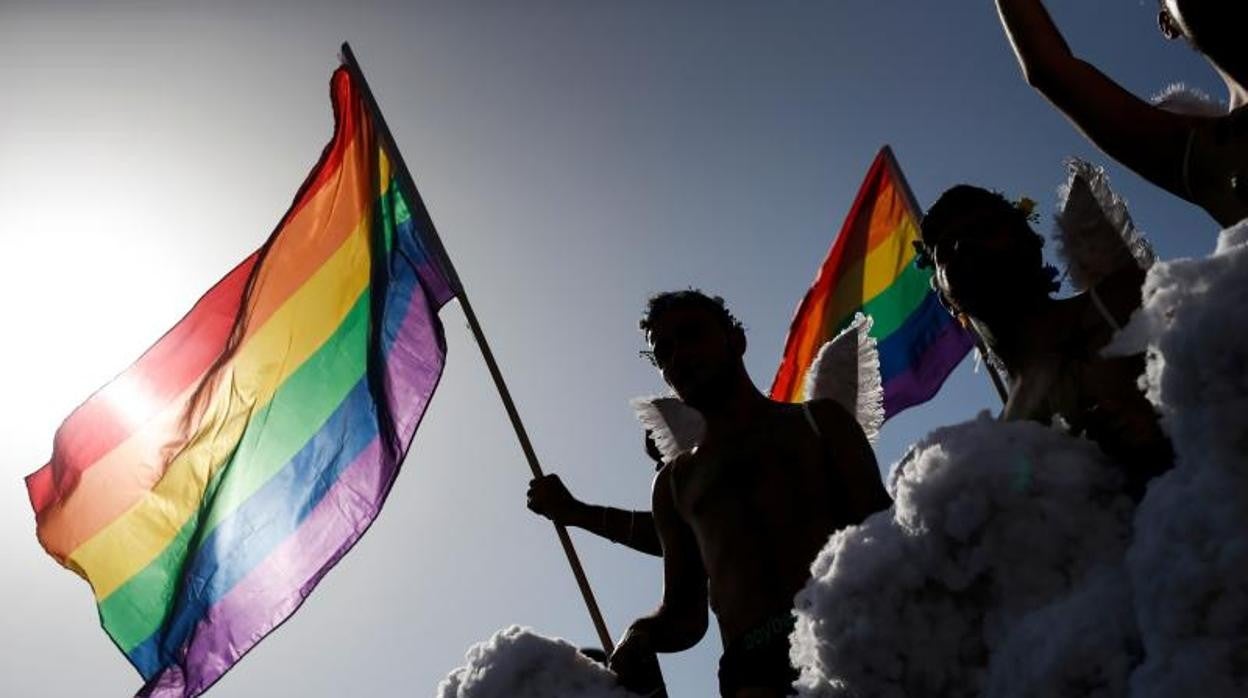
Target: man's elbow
[(881, 502), (1042, 77), (683, 630), (691, 633), (869, 506), (1055, 80)]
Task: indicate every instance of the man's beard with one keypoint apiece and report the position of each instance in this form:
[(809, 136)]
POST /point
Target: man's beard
[(710, 391)]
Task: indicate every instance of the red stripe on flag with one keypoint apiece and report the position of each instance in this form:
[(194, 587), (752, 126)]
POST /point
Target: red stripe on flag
[(809, 318), (184, 353), (162, 373)]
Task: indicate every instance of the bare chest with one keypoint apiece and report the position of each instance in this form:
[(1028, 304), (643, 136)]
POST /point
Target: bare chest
[(1071, 376), (750, 476)]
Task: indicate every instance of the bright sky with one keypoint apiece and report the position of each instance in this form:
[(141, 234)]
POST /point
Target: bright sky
[(577, 157)]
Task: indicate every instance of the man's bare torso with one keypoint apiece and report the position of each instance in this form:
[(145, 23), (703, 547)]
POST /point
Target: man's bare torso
[(761, 503)]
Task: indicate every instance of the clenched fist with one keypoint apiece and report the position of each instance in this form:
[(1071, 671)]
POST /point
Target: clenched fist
[(549, 497)]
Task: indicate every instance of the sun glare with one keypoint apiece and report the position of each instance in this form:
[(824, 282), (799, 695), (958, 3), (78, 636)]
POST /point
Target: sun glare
[(95, 279)]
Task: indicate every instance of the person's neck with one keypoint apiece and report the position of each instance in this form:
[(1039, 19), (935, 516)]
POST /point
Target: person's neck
[(1015, 334), (741, 405)]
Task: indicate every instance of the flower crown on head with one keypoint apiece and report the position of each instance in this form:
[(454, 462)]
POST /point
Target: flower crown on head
[(1025, 205)]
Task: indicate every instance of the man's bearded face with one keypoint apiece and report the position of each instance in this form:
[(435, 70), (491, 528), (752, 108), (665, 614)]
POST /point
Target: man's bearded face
[(695, 354)]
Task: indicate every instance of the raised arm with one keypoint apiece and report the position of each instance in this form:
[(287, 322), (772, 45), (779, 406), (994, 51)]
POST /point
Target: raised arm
[(680, 621), (1147, 139)]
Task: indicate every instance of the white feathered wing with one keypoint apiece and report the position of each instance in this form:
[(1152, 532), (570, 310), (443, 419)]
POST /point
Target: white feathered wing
[(1095, 235)]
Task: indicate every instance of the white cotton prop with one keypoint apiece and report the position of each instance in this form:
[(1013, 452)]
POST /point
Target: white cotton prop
[(1094, 233), (1083, 644), (1189, 101), (675, 427), (1188, 563), (1009, 565), (994, 528), (518, 663), (847, 370)]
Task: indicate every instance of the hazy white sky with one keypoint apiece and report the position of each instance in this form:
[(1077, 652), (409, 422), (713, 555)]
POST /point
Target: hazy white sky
[(576, 156)]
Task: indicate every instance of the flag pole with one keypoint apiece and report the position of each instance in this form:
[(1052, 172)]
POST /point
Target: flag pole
[(995, 376), (417, 206)]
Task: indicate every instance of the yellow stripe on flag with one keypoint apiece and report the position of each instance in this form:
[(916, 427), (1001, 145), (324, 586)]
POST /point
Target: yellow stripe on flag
[(243, 386)]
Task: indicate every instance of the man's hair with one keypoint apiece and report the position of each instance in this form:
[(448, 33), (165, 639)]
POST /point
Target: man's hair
[(956, 201), (690, 298)]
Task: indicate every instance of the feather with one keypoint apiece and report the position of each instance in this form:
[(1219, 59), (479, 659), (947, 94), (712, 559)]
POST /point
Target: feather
[(847, 370), (674, 426), (1095, 235), (1181, 99)]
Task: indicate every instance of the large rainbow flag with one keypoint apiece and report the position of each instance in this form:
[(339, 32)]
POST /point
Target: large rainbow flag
[(206, 490), (870, 269)]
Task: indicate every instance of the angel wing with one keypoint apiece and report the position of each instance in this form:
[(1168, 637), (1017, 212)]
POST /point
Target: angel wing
[(846, 369), (1095, 235), (674, 426)]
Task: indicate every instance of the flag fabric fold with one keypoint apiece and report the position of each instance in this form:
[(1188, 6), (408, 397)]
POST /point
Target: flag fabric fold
[(870, 269), (206, 490)]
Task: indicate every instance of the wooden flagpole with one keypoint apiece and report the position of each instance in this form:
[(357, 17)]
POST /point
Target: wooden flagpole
[(417, 205)]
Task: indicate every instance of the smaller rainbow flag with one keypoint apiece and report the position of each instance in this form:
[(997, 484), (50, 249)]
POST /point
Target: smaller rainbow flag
[(870, 269), (207, 489)]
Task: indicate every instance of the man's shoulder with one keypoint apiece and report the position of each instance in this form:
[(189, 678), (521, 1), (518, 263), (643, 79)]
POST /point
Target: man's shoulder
[(675, 469), (831, 416), (1118, 294), (681, 461), (670, 480), (1085, 322), (800, 413)]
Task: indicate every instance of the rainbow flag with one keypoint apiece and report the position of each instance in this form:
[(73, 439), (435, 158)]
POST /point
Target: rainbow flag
[(206, 490), (870, 269)]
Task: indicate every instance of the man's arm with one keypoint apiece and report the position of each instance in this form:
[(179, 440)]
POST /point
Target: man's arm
[(549, 497), (680, 621), (857, 467), (1147, 139)]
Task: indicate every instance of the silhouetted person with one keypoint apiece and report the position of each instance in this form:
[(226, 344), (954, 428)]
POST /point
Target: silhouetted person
[(991, 274), (743, 515), (1201, 158)]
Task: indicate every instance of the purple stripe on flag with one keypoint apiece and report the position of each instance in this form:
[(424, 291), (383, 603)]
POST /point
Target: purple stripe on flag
[(415, 359), (921, 380), (275, 588)]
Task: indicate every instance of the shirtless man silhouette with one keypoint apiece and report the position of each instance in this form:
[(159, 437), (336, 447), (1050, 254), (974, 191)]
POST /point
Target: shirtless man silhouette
[(742, 516), (990, 273)]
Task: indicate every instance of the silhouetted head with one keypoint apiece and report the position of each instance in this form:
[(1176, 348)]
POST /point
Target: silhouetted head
[(1216, 28), (986, 257), (696, 344)]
